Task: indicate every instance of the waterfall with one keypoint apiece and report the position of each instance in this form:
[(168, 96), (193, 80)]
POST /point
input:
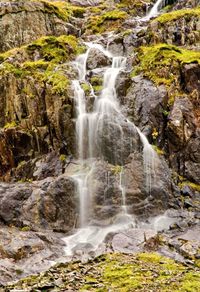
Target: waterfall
[(155, 9), (90, 125)]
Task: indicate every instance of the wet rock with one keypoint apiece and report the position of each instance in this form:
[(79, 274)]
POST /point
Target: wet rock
[(106, 202), (24, 252), (117, 138), (186, 191), (97, 59), (86, 3), (123, 83), (116, 46), (39, 204), (145, 103), (192, 171), (131, 241)]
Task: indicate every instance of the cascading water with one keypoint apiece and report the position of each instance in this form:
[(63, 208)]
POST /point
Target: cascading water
[(155, 9), (159, 4), (89, 127)]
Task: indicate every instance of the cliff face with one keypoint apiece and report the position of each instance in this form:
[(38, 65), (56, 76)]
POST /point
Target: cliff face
[(159, 91)]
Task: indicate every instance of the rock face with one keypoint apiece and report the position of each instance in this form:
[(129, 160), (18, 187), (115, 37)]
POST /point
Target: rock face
[(25, 15), (48, 204), (179, 31)]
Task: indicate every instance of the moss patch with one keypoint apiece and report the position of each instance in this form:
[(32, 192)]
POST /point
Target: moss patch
[(117, 272), (62, 9), (154, 59), (40, 60), (107, 21), (174, 15)]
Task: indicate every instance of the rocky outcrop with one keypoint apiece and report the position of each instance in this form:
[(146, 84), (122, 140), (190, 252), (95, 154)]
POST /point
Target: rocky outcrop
[(48, 204), (51, 19), (36, 98), (177, 28)]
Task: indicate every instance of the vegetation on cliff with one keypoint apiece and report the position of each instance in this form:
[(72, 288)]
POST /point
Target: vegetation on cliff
[(174, 15), (40, 60), (106, 21), (161, 62)]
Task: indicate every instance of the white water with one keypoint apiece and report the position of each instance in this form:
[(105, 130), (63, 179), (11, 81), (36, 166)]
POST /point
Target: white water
[(154, 10), (89, 125)]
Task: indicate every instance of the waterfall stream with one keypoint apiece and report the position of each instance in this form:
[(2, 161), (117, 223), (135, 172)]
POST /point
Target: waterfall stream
[(90, 126)]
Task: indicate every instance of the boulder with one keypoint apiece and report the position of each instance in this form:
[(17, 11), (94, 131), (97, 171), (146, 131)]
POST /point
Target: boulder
[(144, 104), (97, 59), (48, 204)]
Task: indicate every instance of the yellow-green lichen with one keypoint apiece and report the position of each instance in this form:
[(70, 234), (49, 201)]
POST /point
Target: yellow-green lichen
[(86, 87)]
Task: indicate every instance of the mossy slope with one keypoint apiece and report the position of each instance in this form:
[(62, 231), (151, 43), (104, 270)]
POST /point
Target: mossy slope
[(117, 272)]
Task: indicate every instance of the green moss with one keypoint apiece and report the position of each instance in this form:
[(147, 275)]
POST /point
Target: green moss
[(25, 228), (118, 272), (86, 88), (107, 21), (97, 83), (161, 63), (33, 65), (63, 10), (158, 150), (8, 68), (116, 169), (60, 8), (98, 88), (56, 49), (174, 15), (63, 157), (51, 51), (96, 80), (58, 80), (78, 11), (191, 282)]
